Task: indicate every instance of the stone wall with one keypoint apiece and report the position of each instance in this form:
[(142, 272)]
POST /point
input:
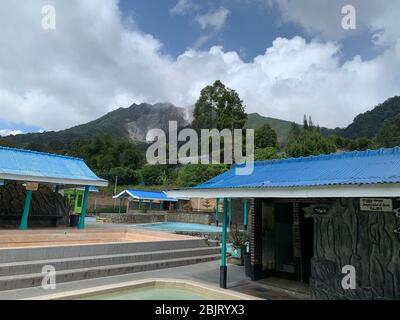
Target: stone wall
[(192, 217), (136, 216), (365, 240), (133, 218), (48, 208)]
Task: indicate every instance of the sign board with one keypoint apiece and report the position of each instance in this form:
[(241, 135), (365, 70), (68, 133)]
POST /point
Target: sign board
[(30, 186), (376, 204)]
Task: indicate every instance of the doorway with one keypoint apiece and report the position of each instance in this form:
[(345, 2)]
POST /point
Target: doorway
[(287, 251)]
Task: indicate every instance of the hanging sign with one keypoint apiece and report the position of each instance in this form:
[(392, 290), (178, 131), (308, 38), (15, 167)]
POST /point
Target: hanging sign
[(31, 186), (376, 204)]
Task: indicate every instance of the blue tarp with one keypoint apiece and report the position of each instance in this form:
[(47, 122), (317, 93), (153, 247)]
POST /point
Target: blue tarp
[(347, 168), (25, 165)]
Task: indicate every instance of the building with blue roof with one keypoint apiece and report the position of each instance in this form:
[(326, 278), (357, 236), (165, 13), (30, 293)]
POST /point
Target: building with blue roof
[(32, 168), (145, 199), (309, 219)]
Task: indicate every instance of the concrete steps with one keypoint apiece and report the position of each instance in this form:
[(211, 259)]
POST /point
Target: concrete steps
[(94, 261)]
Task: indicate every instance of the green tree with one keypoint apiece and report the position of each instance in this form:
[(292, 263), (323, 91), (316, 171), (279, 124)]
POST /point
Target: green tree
[(389, 133), (308, 141), (194, 174), (360, 144), (266, 154), (110, 157), (219, 107), (265, 137), (156, 175)]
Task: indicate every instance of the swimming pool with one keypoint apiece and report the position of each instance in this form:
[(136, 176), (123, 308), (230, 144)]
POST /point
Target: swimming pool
[(150, 294), (151, 289), (180, 227)]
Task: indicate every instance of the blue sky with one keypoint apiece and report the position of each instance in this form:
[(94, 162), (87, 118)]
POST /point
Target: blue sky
[(285, 58), (250, 28)]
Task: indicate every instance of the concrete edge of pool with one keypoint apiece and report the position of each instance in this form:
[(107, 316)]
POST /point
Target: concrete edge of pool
[(213, 292)]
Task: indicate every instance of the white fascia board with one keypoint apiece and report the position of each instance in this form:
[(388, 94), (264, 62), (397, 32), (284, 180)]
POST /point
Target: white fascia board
[(342, 191), (123, 193), (58, 181)]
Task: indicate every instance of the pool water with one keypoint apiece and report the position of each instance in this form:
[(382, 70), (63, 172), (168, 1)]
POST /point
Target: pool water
[(180, 226), (150, 294)]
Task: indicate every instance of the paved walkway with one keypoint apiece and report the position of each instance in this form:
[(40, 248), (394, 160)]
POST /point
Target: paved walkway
[(207, 273)]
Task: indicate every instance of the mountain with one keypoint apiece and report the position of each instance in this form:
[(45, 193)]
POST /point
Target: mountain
[(368, 124), (132, 123), (281, 127)]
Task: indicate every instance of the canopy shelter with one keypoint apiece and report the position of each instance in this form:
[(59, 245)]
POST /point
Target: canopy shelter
[(372, 173), (35, 168), (146, 196)]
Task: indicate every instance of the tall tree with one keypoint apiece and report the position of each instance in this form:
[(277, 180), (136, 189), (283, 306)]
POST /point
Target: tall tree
[(265, 137), (308, 141), (219, 107), (389, 133)]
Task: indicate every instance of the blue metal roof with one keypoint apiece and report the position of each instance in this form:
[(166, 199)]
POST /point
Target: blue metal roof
[(147, 195), (347, 168), (25, 165)]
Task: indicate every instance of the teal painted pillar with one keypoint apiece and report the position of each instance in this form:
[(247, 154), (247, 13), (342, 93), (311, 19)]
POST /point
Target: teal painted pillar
[(24, 220), (140, 204), (223, 268), (151, 204), (217, 212), (81, 224), (230, 212), (161, 205), (245, 214), (119, 207), (57, 189)]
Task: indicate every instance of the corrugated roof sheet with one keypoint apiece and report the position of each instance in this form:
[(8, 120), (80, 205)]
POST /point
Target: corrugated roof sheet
[(26, 165), (147, 195), (347, 168)]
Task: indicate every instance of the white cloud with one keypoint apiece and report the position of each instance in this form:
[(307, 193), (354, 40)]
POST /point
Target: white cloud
[(323, 18), (92, 63), (184, 7), (213, 19), (8, 132)]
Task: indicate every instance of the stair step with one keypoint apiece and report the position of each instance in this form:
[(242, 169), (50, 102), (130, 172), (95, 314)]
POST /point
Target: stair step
[(35, 266), (60, 252), (35, 279)]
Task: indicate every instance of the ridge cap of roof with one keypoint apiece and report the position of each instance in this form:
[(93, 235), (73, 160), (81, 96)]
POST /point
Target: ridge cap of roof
[(330, 156), (40, 153)]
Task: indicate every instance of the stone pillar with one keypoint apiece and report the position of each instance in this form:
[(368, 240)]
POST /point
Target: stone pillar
[(297, 253), (255, 227)]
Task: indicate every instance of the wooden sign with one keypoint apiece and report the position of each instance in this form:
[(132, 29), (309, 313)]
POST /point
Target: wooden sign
[(376, 204), (31, 186)]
